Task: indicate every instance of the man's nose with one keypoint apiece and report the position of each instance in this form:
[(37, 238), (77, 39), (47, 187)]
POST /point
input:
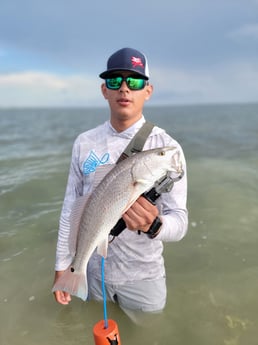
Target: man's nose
[(124, 86)]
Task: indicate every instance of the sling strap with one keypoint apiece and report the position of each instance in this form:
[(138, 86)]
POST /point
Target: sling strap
[(138, 141), (135, 145)]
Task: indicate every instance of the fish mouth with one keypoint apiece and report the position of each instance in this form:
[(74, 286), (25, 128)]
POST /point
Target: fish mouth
[(176, 163)]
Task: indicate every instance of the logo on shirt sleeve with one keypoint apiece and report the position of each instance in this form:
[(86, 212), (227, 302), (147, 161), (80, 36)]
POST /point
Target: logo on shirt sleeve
[(93, 161)]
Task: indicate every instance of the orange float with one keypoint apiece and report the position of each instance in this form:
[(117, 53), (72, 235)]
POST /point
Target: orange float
[(106, 335)]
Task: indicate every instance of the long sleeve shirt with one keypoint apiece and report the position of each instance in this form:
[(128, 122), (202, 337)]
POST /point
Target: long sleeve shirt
[(130, 256)]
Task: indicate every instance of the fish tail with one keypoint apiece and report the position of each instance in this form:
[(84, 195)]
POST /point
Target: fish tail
[(75, 283)]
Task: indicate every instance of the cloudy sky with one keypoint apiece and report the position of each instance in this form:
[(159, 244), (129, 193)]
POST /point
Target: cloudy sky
[(199, 51)]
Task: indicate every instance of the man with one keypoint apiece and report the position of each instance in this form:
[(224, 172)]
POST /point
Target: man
[(134, 267)]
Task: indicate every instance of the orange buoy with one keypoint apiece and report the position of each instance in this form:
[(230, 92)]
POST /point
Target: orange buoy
[(106, 336)]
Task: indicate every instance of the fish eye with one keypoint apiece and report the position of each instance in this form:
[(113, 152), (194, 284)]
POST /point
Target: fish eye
[(162, 153)]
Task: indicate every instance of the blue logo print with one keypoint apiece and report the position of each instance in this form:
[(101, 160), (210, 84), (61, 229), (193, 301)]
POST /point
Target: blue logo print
[(92, 162)]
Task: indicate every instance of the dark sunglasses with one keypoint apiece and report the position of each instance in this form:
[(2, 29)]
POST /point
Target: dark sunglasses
[(133, 83)]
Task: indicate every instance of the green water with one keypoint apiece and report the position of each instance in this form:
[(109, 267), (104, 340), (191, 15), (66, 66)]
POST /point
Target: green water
[(212, 275)]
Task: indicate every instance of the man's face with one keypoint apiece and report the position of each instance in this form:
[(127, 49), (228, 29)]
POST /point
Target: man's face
[(125, 103)]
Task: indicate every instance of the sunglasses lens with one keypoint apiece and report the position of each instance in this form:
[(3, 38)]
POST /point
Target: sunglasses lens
[(114, 83), (133, 83)]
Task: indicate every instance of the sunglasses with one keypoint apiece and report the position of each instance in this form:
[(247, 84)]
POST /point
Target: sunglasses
[(133, 83)]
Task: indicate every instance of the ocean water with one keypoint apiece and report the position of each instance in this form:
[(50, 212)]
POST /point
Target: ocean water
[(212, 274)]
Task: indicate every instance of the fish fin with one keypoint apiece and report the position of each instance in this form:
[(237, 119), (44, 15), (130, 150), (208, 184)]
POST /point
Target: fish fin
[(141, 182), (102, 247), (75, 283), (75, 217)]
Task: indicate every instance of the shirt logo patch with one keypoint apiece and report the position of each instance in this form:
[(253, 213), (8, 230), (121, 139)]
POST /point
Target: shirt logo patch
[(92, 162)]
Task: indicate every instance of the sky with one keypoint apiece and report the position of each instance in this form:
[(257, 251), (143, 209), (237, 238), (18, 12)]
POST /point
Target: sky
[(199, 51)]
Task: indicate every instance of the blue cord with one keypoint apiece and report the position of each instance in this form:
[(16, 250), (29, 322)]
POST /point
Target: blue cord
[(104, 291)]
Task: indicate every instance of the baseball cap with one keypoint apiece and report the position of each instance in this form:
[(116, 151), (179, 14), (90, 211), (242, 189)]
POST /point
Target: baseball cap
[(127, 59)]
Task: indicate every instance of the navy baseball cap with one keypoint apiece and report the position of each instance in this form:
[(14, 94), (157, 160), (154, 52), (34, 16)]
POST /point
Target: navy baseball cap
[(127, 59)]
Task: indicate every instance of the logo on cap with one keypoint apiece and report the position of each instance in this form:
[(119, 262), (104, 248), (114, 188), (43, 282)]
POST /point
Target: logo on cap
[(136, 62)]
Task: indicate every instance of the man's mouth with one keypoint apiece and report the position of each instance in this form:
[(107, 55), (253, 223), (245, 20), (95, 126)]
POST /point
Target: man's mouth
[(123, 101)]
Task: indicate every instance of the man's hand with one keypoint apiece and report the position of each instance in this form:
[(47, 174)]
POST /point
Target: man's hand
[(140, 215), (61, 297)]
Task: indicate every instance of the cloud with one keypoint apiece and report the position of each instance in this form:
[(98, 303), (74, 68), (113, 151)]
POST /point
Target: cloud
[(246, 31), (190, 32), (34, 88), (232, 82), (235, 81), (2, 52), (35, 79)]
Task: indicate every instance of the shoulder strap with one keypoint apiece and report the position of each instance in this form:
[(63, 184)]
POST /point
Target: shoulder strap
[(138, 141)]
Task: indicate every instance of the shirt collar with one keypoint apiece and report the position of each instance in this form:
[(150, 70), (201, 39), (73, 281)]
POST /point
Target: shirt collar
[(129, 132)]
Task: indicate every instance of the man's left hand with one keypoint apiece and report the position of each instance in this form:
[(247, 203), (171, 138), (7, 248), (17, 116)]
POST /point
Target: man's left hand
[(140, 215)]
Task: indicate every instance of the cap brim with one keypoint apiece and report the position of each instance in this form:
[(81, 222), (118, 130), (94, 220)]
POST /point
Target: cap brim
[(106, 74)]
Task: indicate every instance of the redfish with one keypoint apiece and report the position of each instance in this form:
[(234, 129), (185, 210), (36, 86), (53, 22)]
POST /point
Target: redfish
[(94, 217)]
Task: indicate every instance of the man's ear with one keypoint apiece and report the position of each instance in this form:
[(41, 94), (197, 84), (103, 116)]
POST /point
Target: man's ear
[(149, 91), (104, 90)]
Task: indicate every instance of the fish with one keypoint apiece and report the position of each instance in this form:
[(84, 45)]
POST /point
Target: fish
[(93, 217)]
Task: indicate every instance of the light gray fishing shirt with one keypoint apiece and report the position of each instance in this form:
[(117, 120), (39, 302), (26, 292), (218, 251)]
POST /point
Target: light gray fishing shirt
[(130, 256)]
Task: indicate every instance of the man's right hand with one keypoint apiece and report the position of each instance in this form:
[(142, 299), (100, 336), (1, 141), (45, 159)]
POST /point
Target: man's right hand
[(61, 297)]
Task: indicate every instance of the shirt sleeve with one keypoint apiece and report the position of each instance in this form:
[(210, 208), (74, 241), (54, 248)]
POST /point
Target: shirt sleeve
[(74, 189)]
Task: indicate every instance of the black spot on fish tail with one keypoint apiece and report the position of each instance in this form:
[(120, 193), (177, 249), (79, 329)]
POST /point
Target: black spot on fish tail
[(72, 269)]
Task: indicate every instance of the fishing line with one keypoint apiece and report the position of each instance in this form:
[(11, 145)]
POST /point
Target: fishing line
[(104, 291), (105, 331)]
